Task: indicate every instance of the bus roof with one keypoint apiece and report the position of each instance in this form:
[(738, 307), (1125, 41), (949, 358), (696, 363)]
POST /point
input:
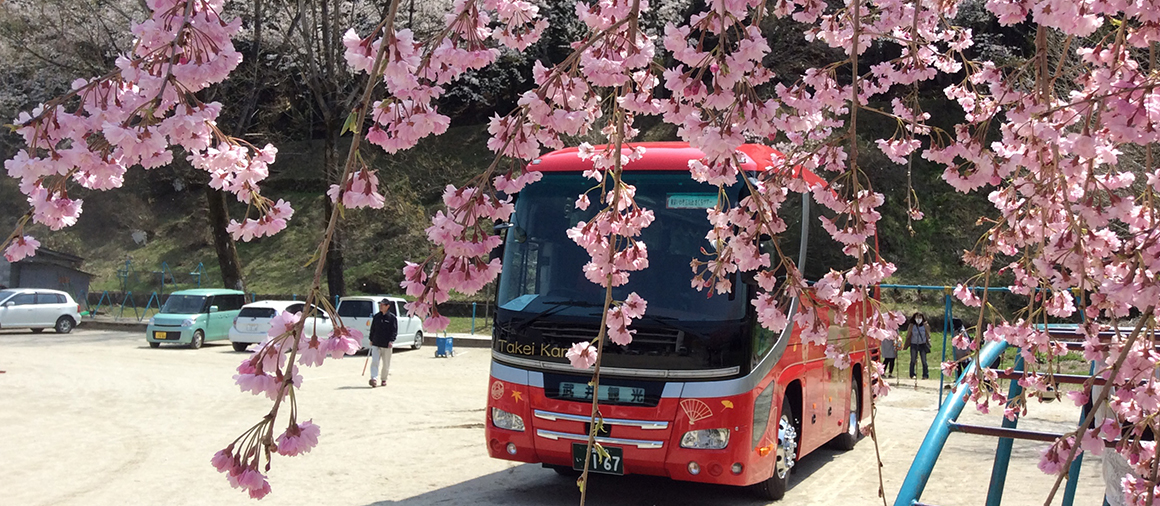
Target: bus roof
[(666, 156)]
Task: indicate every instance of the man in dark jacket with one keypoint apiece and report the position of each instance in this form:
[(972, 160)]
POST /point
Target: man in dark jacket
[(384, 329)]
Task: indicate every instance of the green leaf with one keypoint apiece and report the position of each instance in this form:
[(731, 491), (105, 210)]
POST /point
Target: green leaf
[(351, 124)]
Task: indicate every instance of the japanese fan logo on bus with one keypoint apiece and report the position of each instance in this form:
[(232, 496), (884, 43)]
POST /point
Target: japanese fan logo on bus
[(696, 410)]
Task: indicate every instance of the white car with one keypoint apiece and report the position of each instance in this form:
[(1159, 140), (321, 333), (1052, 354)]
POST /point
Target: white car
[(38, 309), (357, 312), (253, 321)]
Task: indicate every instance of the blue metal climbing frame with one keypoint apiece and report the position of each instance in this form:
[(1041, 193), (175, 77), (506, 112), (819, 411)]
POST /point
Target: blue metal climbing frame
[(946, 422)]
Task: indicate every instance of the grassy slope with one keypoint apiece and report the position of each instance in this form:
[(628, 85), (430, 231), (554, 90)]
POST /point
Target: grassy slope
[(379, 241)]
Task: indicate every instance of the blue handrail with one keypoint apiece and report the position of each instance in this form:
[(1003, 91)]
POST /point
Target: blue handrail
[(936, 438)]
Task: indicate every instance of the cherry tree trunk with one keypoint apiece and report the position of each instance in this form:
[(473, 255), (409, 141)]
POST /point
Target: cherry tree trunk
[(335, 262), (223, 244)]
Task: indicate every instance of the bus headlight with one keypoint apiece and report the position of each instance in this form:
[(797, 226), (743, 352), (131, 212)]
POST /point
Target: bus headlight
[(505, 420), (708, 439)]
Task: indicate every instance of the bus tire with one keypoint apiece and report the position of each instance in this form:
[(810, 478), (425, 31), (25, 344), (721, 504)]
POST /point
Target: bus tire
[(846, 440), (774, 488)]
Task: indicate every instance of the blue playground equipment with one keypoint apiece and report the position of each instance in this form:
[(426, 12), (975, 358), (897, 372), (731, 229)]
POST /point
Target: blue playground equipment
[(198, 273), (946, 423), (165, 272)]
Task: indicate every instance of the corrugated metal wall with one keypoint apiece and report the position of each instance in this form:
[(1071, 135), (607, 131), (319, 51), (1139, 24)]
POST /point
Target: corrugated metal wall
[(53, 277)]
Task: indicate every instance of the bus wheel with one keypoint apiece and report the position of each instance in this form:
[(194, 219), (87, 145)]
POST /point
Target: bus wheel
[(846, 440), (787, 443)]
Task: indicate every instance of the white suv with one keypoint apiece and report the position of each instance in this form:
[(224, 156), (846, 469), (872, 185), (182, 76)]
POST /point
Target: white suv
[(357, 312), (38, 309)]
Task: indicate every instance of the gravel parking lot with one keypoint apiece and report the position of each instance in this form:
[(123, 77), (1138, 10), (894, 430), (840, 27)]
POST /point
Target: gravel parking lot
[(97, 417)]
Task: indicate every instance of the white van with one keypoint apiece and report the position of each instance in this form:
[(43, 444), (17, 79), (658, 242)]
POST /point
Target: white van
[(356, 312)]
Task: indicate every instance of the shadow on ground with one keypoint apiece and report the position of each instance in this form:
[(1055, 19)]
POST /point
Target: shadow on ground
[(531, 484)]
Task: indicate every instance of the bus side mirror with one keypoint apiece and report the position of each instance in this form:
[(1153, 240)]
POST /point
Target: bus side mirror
[(749, 278), (501, 229)]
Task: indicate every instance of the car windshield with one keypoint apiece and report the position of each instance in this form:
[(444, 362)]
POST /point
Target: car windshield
[(355, 308), (543, 268), (184, 304), (4, 294), (257, 312)]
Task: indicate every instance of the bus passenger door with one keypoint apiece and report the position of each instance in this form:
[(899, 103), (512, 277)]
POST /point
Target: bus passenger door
[(814, 393)]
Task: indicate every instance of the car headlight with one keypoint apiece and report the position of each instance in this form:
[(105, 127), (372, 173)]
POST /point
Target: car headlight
[(189, 322), (505, 420), (152, 320), (708, 439)]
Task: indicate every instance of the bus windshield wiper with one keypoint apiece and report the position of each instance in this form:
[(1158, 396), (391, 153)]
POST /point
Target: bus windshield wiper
[(670, 322), (553, 308)]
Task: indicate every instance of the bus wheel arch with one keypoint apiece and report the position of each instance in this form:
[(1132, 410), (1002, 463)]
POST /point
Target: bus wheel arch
[(789, 424), (846, 440)]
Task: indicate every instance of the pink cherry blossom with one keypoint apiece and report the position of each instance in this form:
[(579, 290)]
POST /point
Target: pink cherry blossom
[(298, 439), (582, 355), (21, 247)]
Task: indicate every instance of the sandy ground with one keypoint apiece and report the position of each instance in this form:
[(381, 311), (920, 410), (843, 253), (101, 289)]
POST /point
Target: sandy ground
[(97, 417)]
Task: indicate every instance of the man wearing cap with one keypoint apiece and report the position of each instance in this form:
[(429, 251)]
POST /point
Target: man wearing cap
[(384, 329)]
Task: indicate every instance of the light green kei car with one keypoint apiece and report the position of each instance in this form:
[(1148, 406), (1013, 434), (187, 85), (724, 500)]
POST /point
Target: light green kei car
[(192, 317)]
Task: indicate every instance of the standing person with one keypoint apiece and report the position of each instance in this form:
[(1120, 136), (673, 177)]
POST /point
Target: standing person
[(889, 354), (384, 330), (918, 340), (962, 355)]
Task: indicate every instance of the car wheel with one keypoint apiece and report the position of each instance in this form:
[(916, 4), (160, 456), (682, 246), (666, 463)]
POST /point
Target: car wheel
[(154, 345), (240, 346), (418, 341), (37, 331), (64, 325), (786, 453), (198, 339), (847, 440)]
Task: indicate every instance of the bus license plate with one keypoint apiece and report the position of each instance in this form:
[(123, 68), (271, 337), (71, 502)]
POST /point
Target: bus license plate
[(161, 336), (614, 464)]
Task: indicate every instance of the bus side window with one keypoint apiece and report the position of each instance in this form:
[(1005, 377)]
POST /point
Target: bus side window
[(789, 244)]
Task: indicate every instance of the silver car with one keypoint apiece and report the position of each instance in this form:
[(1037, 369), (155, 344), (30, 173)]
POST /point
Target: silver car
[(38, 309)]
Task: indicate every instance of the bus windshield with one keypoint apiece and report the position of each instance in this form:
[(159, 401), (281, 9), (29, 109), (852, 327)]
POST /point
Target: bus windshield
[(546, 303), (544, 268)]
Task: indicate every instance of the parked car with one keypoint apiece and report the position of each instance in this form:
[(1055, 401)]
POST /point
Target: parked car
[(356, 313), (253, 321), (38, 309), (192, 317)]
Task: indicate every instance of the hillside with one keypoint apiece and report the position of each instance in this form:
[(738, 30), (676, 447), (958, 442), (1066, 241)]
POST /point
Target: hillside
[(168, 205)]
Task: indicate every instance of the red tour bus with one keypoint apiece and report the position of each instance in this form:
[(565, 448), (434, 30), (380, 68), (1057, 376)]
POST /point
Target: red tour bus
[(703, 393)]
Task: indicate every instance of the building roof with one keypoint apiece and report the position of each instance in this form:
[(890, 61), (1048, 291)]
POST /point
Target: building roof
[(47, 256)]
